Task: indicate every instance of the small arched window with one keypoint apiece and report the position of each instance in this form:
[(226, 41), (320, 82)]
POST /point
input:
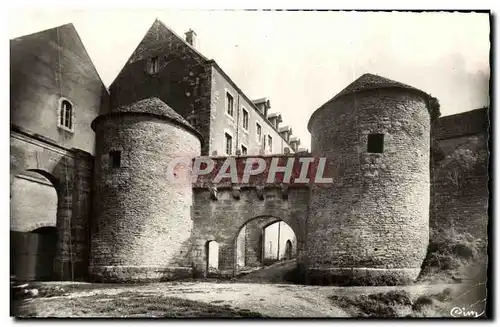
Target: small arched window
[(66, 115)]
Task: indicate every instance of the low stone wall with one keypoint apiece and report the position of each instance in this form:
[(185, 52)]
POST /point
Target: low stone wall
[(361, 276), (130, 274)]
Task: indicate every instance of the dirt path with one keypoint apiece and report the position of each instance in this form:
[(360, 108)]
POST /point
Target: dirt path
[(273, 300), (271, 274)]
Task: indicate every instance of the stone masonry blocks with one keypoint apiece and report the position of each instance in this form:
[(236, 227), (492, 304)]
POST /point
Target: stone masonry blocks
[(142, 218), (375, 215)]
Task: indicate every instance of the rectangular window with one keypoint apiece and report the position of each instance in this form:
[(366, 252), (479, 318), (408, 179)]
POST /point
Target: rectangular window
[(115, 159), (229, 144), (230, 104), (243, 150), (259, 132), (270, 143), (154, 65), (245, 119), (376, 143)]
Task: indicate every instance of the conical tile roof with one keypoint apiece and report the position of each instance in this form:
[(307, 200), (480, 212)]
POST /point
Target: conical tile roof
[(152, 106), (371, 82), (368, 82)]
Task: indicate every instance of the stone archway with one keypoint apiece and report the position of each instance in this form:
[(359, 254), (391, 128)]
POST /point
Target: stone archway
[(249, 243), (33, 233), (70, 171)]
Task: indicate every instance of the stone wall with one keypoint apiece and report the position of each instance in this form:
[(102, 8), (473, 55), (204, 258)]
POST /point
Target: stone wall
[(69, 171), (142, 223), (220, 217), (459, 171), (374, 217)]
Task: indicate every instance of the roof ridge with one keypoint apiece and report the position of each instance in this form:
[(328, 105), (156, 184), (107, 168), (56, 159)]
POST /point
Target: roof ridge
[(44, 31), (180, 38)]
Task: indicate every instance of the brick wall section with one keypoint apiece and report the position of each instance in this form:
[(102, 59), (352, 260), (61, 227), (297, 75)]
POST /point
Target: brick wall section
[(182, 82), (375, 215), (142, 223), (222, 219), (44, 67)]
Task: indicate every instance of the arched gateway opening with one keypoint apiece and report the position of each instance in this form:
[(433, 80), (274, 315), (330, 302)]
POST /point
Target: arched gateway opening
[(261, 242), (33, 233)]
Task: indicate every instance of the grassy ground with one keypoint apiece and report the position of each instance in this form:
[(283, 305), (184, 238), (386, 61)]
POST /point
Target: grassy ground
[(454, 257), (127, 305), (262, 293), (234, 300), (402, 304)]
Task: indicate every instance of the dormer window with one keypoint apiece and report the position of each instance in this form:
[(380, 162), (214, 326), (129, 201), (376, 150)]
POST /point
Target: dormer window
[(66, 114), (154, 66)]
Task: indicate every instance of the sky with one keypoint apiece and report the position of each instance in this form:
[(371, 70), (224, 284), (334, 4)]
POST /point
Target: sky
[(300, 59)]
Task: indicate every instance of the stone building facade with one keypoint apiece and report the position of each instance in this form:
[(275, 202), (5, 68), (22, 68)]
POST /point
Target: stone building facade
[(99, 158), (166, 66)]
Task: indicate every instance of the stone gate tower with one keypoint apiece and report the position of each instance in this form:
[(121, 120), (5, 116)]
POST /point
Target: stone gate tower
[(142, 220), (372, 222)]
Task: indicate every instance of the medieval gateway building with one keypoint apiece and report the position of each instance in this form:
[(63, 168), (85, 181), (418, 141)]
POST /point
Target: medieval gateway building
[(90, 199)]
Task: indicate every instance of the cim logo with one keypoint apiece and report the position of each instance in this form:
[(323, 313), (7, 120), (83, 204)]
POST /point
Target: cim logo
[(458, 312)]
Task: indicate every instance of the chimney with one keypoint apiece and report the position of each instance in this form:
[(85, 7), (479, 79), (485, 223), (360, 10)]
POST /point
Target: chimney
[(191, 37), (294, 143)]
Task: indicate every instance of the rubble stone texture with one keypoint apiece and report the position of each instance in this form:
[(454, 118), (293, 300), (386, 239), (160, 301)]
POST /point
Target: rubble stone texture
[(374, 217), (142, 221)]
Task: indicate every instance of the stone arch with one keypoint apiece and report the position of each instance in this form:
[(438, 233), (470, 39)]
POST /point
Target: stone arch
[(40, 225), (54, 180), (261, 223), (34, 200), (34, 236), (37, 255)]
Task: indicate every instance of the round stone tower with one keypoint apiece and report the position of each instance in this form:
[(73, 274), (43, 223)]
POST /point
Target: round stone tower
[(372, 223), (142, 220)]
